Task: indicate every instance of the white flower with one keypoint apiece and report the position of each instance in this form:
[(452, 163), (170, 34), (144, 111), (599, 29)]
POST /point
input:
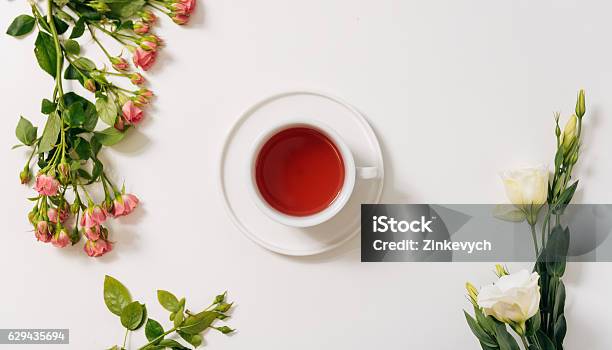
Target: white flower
[(527, 189), (513, 299)]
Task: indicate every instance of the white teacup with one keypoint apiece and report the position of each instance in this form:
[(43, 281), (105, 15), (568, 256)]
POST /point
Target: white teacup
[(351, 173)]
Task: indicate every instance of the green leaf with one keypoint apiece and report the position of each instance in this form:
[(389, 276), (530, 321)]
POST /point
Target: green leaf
[(559, 305), (179, 316), (50, 133), (47, 106), (195, 324), (26, 132), (153, 330), (560, 330), (21, 25), (131, 315), (107, 109), (91, 115), (544, 341), (109, 136), (486, 322), (482, 336), (95, 146), (170, 343), (44, 50), (556, 251), (565, 198), (508, 212), (75, 115), (533, 324), (116, 296), (82, 148), (71, 73), (125, 8), (96, 171), (60, 25), (72, 47), (79, 29), (504, 339), (168, 300)]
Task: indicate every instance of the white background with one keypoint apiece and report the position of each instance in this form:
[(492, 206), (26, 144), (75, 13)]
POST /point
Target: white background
[(456, 91)]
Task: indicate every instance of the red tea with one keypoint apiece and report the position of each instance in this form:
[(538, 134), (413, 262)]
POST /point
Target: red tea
[(299, 171)]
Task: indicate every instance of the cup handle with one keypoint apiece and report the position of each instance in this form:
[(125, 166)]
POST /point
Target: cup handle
[(367, 173)]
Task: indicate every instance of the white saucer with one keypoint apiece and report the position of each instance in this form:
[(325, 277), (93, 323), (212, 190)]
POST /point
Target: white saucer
[(306, 105)]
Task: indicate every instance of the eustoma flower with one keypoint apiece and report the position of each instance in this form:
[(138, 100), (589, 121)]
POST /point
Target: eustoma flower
[(66, 155), (513, 299), (527, 189)]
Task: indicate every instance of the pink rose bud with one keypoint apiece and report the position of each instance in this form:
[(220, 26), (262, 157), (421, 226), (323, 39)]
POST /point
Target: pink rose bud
[(137, 79), (148, 16), (46, 185), (132, 113), (141, 28), (120, 124), (93, 216), (153, 38), (43, 233), (97, 248), (64, 172), (180, 19), (90, 85), (124, 204), (148, 45), (24, 176), (61, 239), (120, 63), (92, 233), (144, 59)]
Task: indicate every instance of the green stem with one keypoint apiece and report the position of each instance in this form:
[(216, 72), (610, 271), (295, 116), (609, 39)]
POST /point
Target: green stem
[(125, 337), (535, 240), (58, 53), (93, 36), (525, 344)]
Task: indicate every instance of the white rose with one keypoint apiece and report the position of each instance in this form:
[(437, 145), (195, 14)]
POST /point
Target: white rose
[(513, 299), (527, 189)]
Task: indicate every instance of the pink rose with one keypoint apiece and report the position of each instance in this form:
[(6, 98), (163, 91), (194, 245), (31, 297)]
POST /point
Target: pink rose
[(97, 248), (180, 9), (120, 63), (124, 204), (92, 233), (93, 216), (189, 4), (46, 185), (137, 79), (61, 239), (180, 19), (132, 113), (52, 213), (144, 59), (42, 232)]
